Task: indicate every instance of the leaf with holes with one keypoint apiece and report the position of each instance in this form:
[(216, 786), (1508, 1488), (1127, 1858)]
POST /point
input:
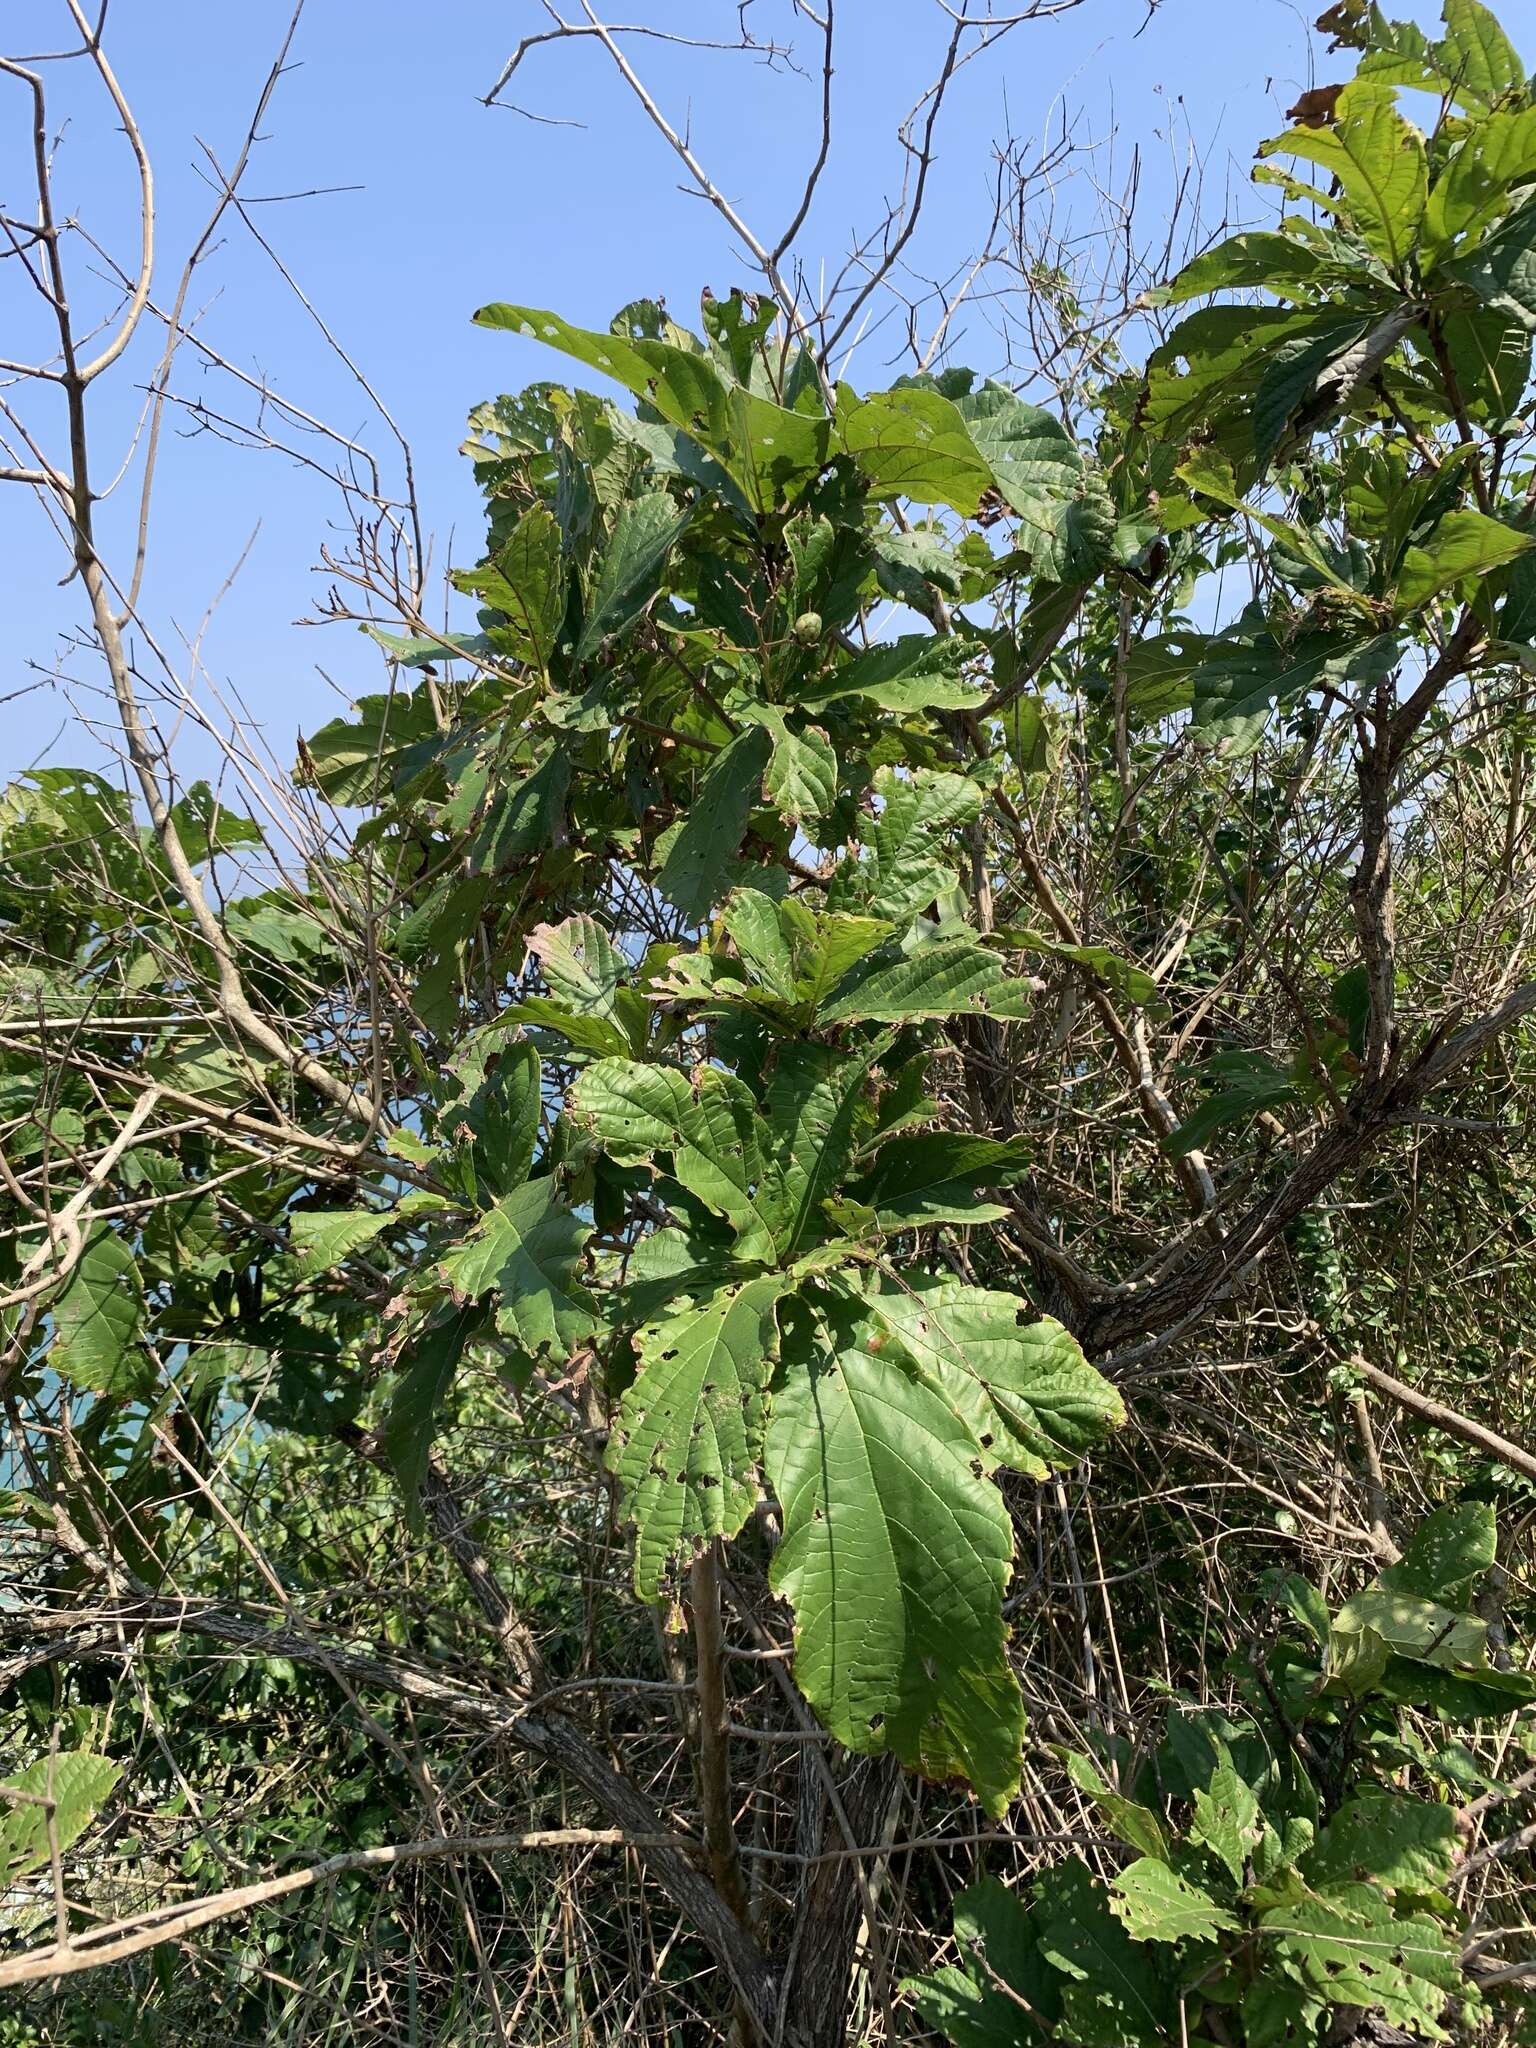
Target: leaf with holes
[(689, 1433)]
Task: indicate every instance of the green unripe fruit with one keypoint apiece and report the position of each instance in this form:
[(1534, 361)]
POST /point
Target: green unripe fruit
[(807, 628)]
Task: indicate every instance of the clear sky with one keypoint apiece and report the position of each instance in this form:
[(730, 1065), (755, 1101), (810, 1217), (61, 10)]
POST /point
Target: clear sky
[(451, 204)]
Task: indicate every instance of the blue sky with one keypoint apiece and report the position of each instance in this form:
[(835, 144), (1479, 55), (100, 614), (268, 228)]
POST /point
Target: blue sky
[(457, 204)]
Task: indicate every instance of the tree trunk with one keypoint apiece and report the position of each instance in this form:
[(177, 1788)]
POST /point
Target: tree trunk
[(830, 1907)]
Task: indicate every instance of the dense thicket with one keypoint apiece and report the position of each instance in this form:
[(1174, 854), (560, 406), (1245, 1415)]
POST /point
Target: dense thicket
[(800, 1310)]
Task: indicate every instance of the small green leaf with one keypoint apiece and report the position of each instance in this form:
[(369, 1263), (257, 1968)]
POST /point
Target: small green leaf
[(1227, 1820)]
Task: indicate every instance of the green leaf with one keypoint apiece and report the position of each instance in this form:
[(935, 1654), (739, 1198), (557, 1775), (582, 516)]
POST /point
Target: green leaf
[(427, 1372), (597, 1035), (934, 1176), (1227, 1820), (525, 581), (1493, 155), (709, 1128), (1130, 1822), (689, 1432), (1414, 1627), (698, 854), (351, 759), (522, 817), (1446, 1555), (1246, 675), (895, 1556), (1242, 1084), (912, 443), (528, 1248), (97, 1318), (500, 1112), (1354, 1949), (1024, 1389), (953, 977), (1156, 1904), (1377, 158), (1477, 55), (801, 778), (79, 1784), (918, 672), (770, 452), (1117, 1994), (1253, 260), (910, 850), (1386, 1839), (997, 1934), (323, 1238), (1465, 543), (1502, 268), (580, 964), (813, 1102), (644, 534), (1037, 464)]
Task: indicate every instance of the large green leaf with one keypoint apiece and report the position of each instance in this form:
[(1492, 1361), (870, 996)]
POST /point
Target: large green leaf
[(953, 977), (1502, 268), (689, 1432), (528, 1248), (426, 1373), (1117, 1993), (697, 855), (895, 1556), (801, 778), (918, 672), (1024, 1389), (1007, 1995), (1465, 543), (1446, 1555), (913, 443), (97, 1317), (810, 1115), (709, 1127), (771, 452), (1378, 160), (934, 1177), (1386, 1839), (1035, 461), (580, 963), (525, 582), (1353, 1948), (323, 1238)]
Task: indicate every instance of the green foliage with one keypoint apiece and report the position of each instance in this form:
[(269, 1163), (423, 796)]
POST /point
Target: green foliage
[(1279, 1875)]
